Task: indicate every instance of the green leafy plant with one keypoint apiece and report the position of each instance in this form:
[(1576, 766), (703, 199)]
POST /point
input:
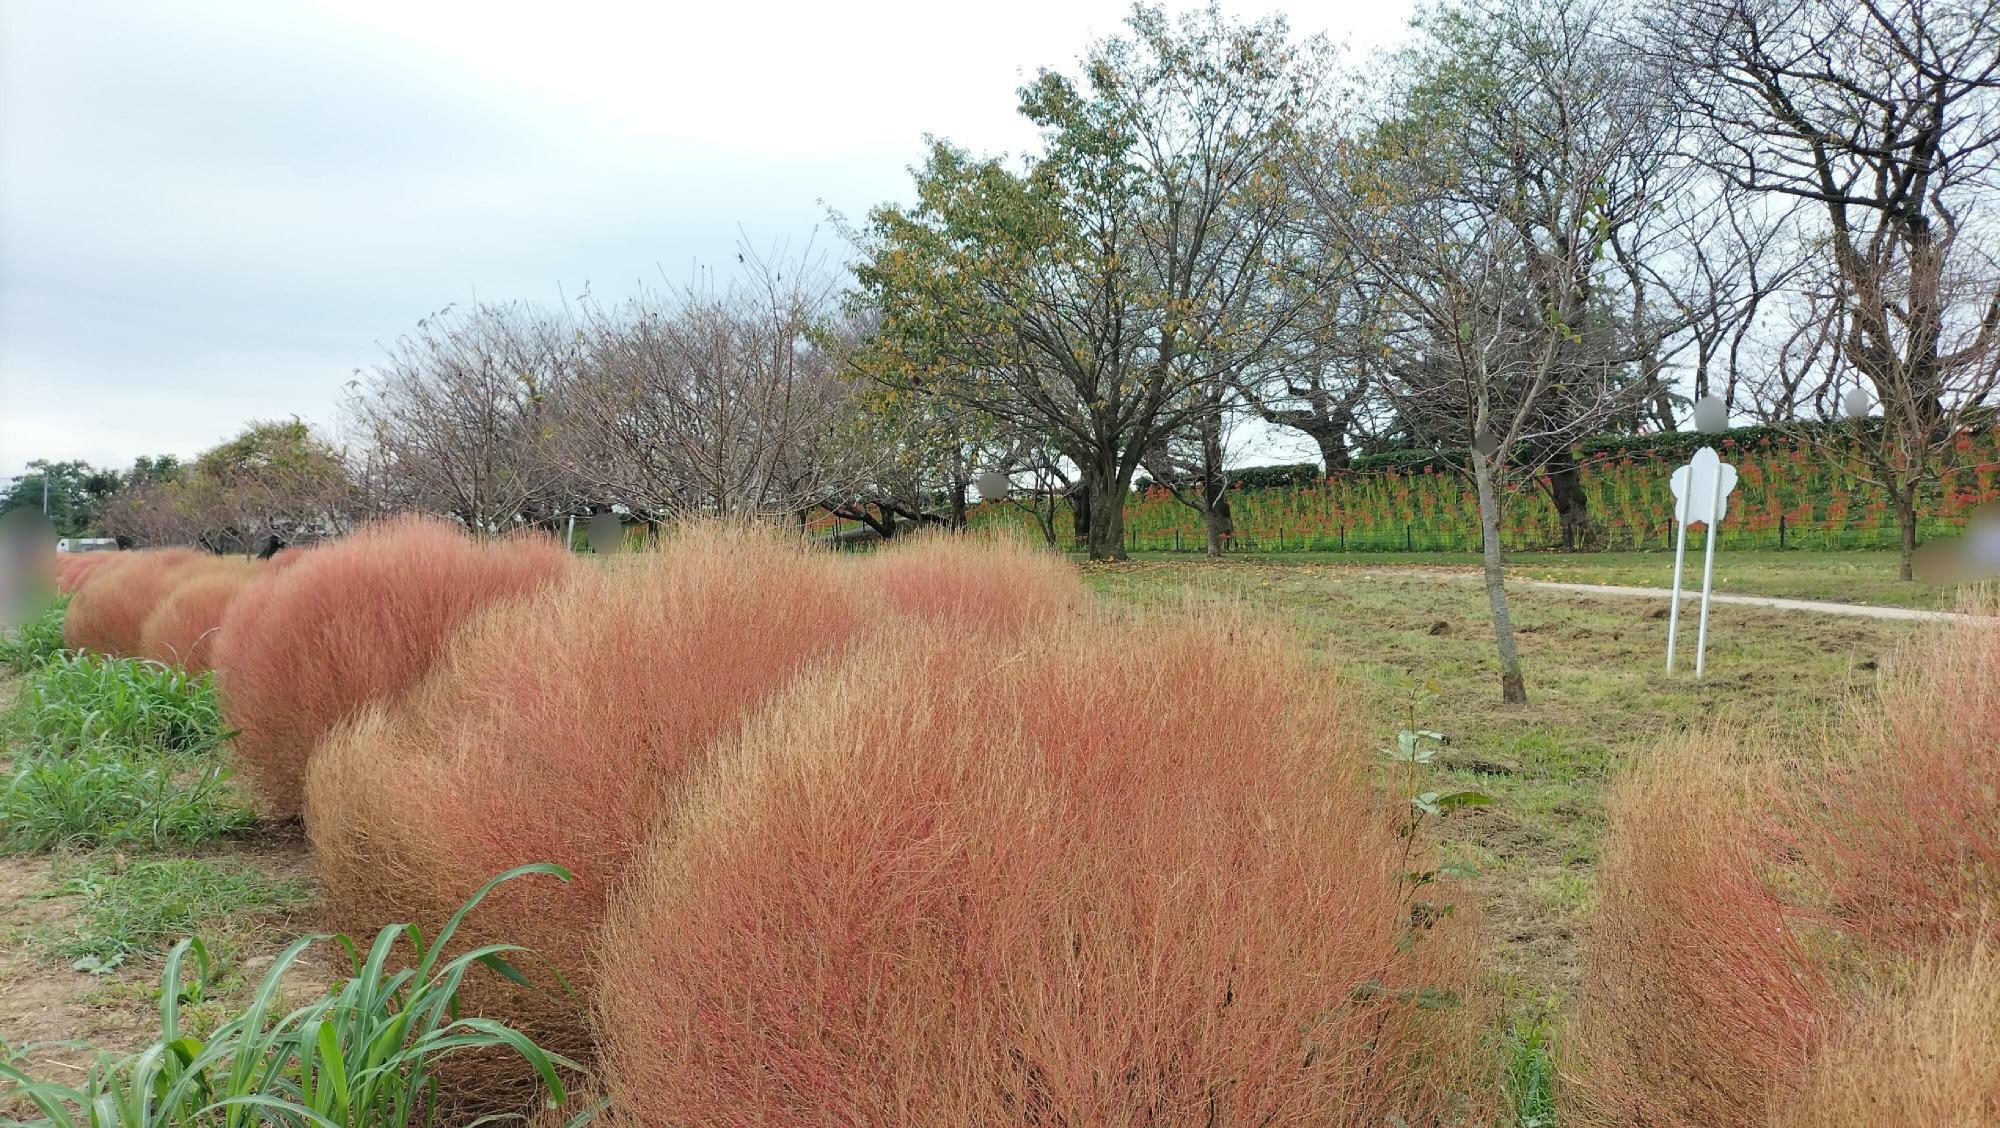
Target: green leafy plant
[(363, 1056), (124, 910), (104, 796), (116, 752), (77, 701), (36, 641), (1531, 1072), (1413, 756)]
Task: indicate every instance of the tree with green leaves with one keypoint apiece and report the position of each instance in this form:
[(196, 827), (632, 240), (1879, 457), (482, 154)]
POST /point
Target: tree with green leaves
[(72, 493), (275, 479), (1099, 293)]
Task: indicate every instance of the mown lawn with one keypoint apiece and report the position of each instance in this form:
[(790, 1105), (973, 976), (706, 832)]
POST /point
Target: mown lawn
[(1598, 693), (1858, 576)]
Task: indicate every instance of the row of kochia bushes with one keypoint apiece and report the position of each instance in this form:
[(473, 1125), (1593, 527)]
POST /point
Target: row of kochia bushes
[(920, 837), (925, 838)]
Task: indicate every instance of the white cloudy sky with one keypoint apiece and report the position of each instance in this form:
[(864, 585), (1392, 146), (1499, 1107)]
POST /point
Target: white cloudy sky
[(212, 212)]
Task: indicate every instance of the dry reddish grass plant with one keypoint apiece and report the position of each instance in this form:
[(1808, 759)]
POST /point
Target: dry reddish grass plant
[(182, 630), (1090, 876), (1700, 1003), (74, 569), (108, 614), (986, 582), (355, 621), (1904, 824), (1921, 1053), (557, 729)]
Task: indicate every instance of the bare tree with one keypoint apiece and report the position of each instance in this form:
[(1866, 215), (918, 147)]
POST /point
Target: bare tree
[(459, 418), (1486, 202), (1883, 116), (715, 401), (274, 480)]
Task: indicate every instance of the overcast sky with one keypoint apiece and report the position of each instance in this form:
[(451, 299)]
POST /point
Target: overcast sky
[(216, 212)]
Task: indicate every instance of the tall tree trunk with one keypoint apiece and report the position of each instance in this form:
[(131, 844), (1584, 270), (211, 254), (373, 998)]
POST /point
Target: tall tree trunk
[(958, 506), (1216, 519), (1079, 504), (1332, 450), (1572, 504), (1513, 690), (1107, 509), (1219, 524)]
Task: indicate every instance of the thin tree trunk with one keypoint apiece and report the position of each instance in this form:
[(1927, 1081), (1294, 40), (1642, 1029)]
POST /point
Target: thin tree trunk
[(1906, 524), (1513, 690), (1216, 519)]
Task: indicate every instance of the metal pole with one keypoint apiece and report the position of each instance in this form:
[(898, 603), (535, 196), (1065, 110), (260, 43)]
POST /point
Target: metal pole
[(1680, 552), (1708, 568)]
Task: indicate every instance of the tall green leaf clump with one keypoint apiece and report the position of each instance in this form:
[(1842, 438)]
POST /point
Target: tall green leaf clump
[(36, 641), (362, 1056)]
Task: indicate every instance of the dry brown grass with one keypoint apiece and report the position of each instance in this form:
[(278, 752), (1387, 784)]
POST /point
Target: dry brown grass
[(1090, 876), (1923, 1053)]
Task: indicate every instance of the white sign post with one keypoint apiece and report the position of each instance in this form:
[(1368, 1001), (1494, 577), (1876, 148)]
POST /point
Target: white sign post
[(1701, 490)]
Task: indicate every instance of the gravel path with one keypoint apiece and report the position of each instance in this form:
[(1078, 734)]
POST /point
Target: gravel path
[(1857, 610)]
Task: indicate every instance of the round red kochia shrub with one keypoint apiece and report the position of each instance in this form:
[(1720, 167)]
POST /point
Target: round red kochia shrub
[(108, 615), (355, 621), (557, 728), (1903, 822), (1700, 1002), (182, 630), (1101, 874), (986, 582), (74, 569)]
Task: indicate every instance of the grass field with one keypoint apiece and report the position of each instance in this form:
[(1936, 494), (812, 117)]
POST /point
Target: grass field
[(1598, 692)]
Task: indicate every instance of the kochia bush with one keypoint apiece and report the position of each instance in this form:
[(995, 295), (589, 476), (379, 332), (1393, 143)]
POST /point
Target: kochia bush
[(1092, 876), (182, 630), (74, 569), (557, 728), (984, 582), (108, 614), (1925, 1051), (1904, 824), (1700, 1004), (355, 621)]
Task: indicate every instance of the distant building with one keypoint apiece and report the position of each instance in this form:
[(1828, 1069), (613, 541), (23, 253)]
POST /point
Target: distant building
[(86, 544)]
